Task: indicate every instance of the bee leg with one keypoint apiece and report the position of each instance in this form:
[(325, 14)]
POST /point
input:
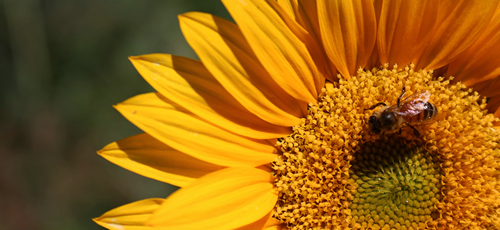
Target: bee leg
[(377, 105), (403, 91), (399, 132), (415, 131)]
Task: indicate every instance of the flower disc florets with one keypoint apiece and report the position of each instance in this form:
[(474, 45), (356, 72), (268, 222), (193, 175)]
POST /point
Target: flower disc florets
[(396, 184), (334, 174)]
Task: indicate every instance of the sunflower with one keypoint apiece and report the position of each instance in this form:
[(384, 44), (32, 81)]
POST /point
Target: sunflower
[(269, 131)]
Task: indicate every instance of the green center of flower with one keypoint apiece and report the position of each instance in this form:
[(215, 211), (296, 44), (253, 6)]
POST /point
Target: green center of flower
[(395, 184)]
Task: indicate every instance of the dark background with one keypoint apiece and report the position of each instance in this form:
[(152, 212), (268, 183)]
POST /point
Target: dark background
[(63, 63)]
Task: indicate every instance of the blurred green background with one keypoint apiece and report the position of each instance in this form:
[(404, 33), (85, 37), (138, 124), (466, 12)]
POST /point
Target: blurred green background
[(63, 63)]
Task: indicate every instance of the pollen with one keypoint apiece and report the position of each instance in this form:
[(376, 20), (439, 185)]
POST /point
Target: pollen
[(333, 173)]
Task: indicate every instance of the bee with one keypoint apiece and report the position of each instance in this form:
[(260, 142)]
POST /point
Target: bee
[(413, 110)]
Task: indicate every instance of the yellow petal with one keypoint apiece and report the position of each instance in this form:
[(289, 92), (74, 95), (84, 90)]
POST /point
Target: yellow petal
[(305, 13), (226, 199), (404, 29), (373, 61), (278, 42), (276, 227), (151, 158), (348, 30), (259, 224), (265, 223), (493, 106), (488, 88), (497, 115), (480, 87), (286, 5), (189, 134), (188, 83), (313, 46), (225, 53), (493, 90), (272, 222), (459, 24), (130, 216), (481, 61)]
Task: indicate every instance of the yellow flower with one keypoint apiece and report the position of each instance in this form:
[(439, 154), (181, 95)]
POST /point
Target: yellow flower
[(268, 130)]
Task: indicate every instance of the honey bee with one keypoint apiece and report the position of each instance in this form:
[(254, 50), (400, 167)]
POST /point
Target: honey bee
[(413, 110)]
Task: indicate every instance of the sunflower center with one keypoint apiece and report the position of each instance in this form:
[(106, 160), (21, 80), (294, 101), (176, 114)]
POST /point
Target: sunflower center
[(334, 173), (395, 184)]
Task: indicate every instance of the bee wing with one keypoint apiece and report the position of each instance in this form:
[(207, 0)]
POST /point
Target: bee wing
[(407, 111), (416, 101), (413, 104), (421, 96)]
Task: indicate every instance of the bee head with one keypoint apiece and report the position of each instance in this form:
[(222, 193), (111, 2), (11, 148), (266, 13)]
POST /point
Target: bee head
[(374, 127), (382, 122)]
